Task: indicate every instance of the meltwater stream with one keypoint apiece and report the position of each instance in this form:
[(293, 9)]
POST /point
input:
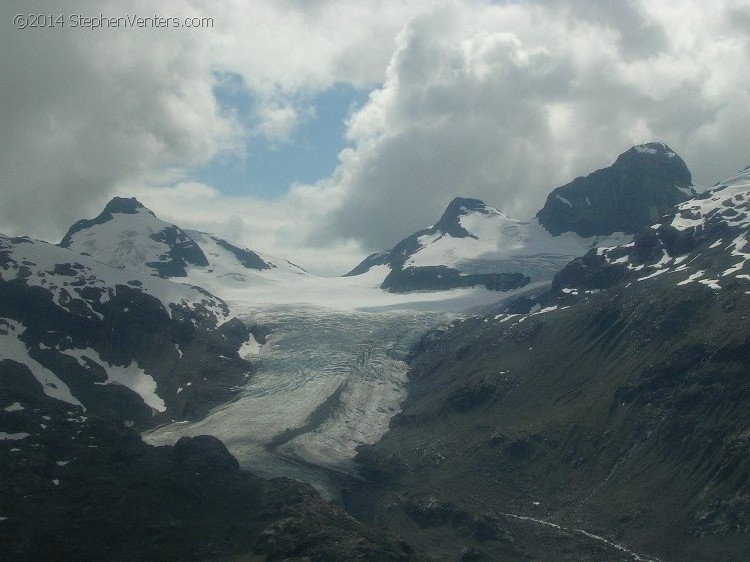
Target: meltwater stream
[(325, 382)]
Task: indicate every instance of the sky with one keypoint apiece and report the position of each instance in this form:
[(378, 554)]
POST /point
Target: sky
[(322, 131)]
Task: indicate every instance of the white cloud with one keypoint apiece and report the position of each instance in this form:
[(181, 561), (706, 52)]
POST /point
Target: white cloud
[(277, 121), (506, 102), (84, 113)]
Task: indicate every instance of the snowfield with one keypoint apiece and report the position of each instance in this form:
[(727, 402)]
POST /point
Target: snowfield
[(499, 244)]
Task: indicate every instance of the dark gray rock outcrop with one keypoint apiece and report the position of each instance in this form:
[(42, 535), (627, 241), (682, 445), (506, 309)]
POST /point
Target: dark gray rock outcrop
[(641, 185)]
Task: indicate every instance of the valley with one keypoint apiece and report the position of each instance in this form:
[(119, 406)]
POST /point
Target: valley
[(566, 387)]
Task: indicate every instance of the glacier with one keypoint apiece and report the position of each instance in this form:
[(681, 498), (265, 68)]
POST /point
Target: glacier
[(326, 381)]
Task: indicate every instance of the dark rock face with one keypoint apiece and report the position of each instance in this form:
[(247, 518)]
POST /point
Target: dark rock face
[(623, 415), (633, 193), (67, 308), (235, 331), (380, 258), (590, 272), (441, 278), (182, 251), (77, 487), (247, 258), (449, 222)]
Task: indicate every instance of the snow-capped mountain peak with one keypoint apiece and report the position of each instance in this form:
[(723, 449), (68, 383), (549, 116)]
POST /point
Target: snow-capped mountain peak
[(702, 241), (129, 236), (116, 206), (450, 221), (475, 244), (655, 149)]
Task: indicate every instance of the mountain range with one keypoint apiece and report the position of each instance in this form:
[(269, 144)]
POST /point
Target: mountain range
[(473, 244), (598, 410)]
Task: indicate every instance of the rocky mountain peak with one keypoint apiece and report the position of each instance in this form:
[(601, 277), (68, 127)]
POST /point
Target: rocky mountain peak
[(116, 206), (658, 160), (657, 149), (127, 235), (641, 185), (449, 222), (463, 205), (124, 205)]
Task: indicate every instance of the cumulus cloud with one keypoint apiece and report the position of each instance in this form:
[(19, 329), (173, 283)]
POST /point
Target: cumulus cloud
[(506, 102), (85, 113), (277, 121)]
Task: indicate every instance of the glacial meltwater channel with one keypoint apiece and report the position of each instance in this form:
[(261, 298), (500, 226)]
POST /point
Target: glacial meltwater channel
[(325, 382)]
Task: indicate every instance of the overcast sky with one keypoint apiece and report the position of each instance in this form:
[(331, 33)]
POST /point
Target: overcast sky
[(321, 131)]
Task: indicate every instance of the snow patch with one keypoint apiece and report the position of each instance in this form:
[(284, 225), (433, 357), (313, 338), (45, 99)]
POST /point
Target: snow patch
[(734, 269), (130, 376), (682, 223), (713, 283), (13, 436), (15, 407), (251, 348), (505, 317), (546, 309), (693, 277), (15, 350), (654, 274)]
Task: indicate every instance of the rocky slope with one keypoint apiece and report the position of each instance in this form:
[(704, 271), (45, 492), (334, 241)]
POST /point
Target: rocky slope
[(119, 343), (473, 244), (98, 339), (609, 421), (79, 487), (703, 241)]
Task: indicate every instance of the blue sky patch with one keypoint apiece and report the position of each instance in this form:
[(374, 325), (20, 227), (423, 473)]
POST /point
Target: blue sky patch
[(267, 169)]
